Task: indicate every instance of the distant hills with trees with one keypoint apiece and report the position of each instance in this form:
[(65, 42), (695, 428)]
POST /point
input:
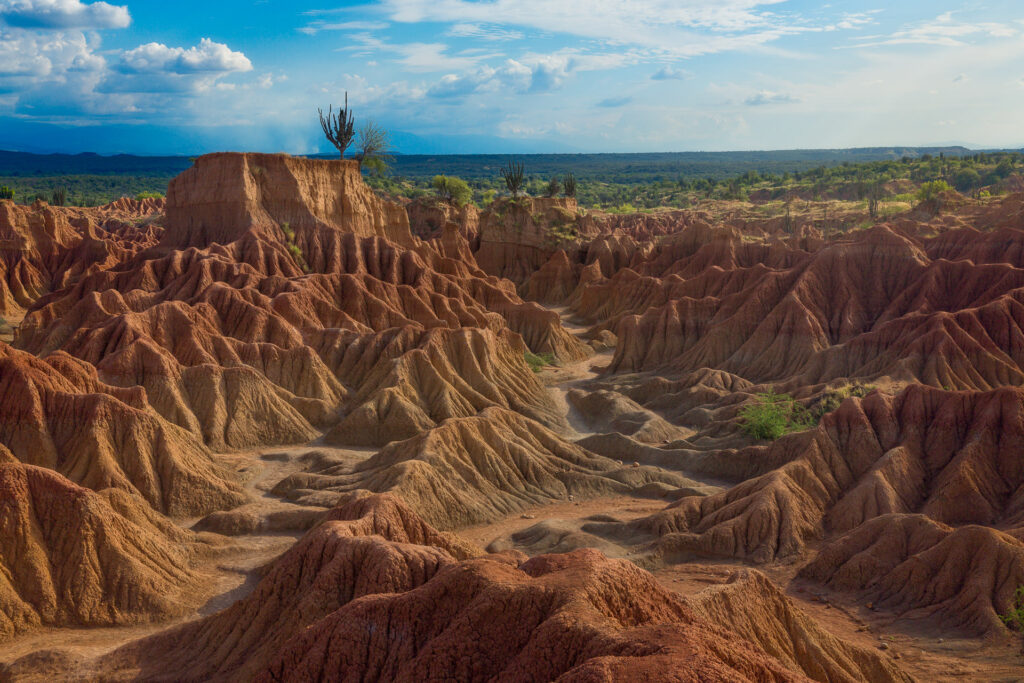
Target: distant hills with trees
[(93, 179)]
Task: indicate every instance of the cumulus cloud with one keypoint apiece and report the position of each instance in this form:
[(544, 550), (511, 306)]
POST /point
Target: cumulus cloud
[(532, 73), (768, 97), (511, 76), (671, 73), (207, 57), (28, 60), (63, 14)]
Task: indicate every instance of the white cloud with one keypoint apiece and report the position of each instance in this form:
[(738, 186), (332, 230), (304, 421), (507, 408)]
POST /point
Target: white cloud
[(511, 76), (531, 73), (484, 31), (434, 57), (670, 27), (63, 14), (671, 73), (763, 97), (856, 20), (425, 57), (943, 31), (207, 57), (320, 25), (30, 59)]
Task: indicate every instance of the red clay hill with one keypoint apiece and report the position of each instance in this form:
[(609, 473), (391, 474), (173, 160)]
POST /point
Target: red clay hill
[(279, 345)]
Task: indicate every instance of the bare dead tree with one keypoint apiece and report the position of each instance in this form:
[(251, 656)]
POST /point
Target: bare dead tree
[(373, 148)]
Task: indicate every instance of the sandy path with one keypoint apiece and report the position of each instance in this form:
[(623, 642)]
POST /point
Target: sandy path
[(561, 379), (227, 574)]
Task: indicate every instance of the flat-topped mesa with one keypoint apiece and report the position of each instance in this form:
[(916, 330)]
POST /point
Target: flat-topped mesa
[(226, 196)]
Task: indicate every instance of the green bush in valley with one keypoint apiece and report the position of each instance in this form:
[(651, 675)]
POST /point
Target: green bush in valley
[(453, 190), (148, 195), (59, 196), (1014, 618), (537, 361), (6, 192), (774, 415)]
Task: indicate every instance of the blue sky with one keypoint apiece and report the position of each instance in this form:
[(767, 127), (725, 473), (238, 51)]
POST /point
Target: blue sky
[(189, 76)]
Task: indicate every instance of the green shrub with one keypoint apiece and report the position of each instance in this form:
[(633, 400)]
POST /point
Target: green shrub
[(59, 196), (148, 195), (966, 179), (774, 415), (451, 189), (929, 192), (562, 233), (538, 361), (6, 192), (1015, 617), (832, 399)]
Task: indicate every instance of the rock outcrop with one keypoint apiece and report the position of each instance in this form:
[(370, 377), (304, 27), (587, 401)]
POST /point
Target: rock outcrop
[(70, 556), (227, 197), (57, 414)]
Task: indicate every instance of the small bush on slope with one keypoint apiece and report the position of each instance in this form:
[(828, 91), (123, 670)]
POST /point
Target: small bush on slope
[(774, 415), (537, 361), (1015, 617)]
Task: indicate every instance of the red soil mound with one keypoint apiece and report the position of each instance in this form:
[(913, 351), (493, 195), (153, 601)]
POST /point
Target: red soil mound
[(69, 556), (960, 579), (951, 456), (57, 414), (43, 248), (565, 617), (372, 545), (321, 306), (480, 469), (873, 304), (752, 606)]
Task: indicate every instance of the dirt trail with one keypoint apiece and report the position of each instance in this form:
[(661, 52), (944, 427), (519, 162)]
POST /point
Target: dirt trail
[(561, 379)]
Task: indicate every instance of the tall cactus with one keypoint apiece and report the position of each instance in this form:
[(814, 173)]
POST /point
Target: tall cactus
[(569, 185), (514, 176), (339, 128)]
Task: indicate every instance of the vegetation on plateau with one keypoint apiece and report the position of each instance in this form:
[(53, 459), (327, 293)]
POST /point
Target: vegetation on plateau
[(452, 190)]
